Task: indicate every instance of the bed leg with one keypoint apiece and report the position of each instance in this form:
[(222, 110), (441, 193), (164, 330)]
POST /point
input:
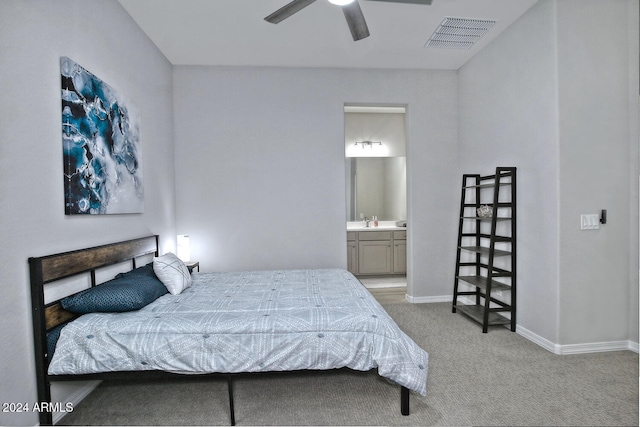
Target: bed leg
[(46, 418), (231, 409), (404, 401), (44, 395)]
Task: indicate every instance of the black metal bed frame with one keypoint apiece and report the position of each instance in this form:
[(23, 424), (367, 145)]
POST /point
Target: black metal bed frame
[(47, 269)]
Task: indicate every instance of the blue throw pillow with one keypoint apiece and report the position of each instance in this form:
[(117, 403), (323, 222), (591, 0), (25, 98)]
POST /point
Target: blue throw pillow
[(145, 270), (117, 295)]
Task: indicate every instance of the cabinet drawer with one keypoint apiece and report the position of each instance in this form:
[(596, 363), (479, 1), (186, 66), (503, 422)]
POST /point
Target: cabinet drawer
[(351, 236), (400, 235), (374, 235)]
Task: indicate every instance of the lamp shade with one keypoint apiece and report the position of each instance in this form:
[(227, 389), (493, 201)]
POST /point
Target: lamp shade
[(183, 247)]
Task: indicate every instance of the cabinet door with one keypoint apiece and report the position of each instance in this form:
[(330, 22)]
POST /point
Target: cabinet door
[(352, 257), (375, 257), (399, 256)]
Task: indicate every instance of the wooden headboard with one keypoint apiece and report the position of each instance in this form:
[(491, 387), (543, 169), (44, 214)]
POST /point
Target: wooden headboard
[(54, 267), (50, 268)]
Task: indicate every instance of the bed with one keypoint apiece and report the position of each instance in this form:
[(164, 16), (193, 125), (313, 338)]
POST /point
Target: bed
[(223, 324)]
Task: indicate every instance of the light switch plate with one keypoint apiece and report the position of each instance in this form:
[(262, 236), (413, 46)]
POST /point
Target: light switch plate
[(589, 222)]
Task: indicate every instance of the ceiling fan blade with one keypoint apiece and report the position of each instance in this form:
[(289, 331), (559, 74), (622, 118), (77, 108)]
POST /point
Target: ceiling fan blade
[(425, 2), (287, 10), (356, 21)]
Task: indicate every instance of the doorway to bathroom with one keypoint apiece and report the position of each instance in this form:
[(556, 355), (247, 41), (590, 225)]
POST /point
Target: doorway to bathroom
[(376, 192)]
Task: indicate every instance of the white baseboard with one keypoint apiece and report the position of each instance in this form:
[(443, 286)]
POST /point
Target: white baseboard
[(560, 349), (543, 342), (382, 285), (75, 398), (537, 339), (597, 347), (426, 300)]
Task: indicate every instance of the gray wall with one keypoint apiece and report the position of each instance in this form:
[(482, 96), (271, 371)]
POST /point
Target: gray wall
[(597, 155), (102, 37), (508, 117), (556, 96), (260, 169), (259, 155)]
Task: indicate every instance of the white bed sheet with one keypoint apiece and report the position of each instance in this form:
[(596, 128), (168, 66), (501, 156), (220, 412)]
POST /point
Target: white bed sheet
[(250, 321)]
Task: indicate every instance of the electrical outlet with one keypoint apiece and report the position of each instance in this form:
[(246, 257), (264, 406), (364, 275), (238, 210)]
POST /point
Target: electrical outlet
[(589, 222)]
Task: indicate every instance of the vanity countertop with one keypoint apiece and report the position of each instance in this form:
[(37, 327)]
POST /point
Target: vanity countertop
[(382, 225)]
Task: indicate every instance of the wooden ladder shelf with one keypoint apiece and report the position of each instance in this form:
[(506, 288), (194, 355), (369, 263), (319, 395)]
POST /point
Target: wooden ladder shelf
[(486, 250)]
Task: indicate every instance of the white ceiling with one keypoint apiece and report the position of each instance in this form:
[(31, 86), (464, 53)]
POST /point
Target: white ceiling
[(234, 32)]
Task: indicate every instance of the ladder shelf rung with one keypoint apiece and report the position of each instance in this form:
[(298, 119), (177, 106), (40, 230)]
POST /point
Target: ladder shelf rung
[(496, 238), (489, 185), (501, 274), (488, 236), (497, 272), (497, 205), (468, 264), (476, 312), (488, 218), (485, 251), (481, 282)]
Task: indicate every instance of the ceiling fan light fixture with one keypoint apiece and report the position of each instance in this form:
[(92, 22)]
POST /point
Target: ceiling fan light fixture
[(351, 9)]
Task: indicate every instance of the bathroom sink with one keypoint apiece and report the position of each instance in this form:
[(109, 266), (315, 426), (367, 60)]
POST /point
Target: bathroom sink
[(382, 225)]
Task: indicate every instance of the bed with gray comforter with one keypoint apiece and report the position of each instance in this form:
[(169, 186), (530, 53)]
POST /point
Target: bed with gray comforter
[(252, 321)]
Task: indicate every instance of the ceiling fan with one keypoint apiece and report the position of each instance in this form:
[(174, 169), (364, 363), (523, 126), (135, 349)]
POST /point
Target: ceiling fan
[(351, 8)]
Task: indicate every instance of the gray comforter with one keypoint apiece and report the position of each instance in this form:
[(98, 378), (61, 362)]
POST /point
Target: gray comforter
[(248, 322)]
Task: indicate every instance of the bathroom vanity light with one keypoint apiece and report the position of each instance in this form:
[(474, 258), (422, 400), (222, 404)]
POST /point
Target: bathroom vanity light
[(366, 148), (369, 144), (341, 2)]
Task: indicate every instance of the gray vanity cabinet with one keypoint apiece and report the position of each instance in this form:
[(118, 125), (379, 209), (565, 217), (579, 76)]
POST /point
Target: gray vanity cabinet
[(375, 252), (378, 252)]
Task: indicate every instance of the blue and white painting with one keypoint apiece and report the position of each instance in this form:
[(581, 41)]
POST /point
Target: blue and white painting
[(101, 144)]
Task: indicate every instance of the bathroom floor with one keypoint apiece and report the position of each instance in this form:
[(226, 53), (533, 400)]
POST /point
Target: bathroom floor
[(386, 289), (384, 282)]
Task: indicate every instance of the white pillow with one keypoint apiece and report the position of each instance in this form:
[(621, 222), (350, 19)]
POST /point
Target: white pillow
[(172, 272)]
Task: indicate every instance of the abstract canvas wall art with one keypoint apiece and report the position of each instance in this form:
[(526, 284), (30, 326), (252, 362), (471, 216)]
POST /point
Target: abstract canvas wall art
[(101, 146)]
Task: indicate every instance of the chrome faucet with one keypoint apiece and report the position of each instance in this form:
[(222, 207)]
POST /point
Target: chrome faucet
[(367, 221)]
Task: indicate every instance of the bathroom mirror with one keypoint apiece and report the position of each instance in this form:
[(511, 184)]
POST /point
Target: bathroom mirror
[(376, 167), (376, 186)]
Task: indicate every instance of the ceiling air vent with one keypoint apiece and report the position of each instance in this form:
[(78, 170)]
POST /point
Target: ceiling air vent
[(459, 33)]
